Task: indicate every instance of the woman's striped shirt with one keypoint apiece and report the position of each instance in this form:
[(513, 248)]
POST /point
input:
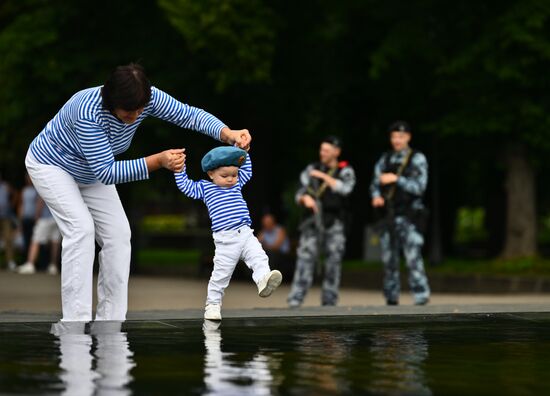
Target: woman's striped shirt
[(83, 137), (226, 206)]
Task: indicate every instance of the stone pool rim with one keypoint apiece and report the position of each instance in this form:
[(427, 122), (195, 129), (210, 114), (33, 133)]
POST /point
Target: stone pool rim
[(320, 315)]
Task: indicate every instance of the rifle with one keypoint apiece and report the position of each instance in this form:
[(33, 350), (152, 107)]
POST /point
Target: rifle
[(388, 220), (316, 221)]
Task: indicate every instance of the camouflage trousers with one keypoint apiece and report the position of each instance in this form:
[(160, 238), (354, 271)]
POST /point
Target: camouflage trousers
[(333, 246), (403, 236)]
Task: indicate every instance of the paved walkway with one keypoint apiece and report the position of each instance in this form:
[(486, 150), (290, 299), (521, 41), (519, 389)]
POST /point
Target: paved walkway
[(160, 297)]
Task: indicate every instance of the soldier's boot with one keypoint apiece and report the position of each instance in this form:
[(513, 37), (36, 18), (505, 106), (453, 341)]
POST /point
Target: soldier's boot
[(392, 286), (329, 298)]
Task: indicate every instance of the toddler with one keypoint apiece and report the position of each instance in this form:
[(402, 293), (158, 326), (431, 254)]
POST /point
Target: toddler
[(229, 168)]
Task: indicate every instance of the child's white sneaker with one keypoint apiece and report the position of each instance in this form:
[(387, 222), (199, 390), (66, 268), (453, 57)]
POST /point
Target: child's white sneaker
[(26, 269), (212, 312), (269, 283), (52, 269)]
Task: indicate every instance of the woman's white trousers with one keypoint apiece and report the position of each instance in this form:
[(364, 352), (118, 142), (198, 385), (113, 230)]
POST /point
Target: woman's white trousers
[(86, 214)]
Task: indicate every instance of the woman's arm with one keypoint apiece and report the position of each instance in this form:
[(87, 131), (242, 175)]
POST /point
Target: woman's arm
[(170, 109), (99, 155)]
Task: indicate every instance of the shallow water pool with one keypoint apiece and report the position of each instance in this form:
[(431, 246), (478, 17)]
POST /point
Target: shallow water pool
[(400, 355)]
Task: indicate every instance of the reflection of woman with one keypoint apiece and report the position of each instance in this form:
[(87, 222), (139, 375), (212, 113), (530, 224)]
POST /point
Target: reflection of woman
[(72, 166), (104, 371)]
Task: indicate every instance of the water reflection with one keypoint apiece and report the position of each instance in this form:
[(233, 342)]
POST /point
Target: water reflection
[(398, 357), (225, 373), (98, 362), (323, 356)]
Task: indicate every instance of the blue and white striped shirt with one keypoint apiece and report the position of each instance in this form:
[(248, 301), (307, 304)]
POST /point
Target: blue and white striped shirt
[(84, 137), (226, 206)]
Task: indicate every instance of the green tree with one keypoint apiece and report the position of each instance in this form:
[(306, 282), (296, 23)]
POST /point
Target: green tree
[(487, 61), (233, 40), (52, 49)]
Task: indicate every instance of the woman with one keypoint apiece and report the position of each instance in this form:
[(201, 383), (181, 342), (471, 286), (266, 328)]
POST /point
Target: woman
[(72, 166)]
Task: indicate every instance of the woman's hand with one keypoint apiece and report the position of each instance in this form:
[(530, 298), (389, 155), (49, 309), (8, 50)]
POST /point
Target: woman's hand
[(172, 159), (238, 137)]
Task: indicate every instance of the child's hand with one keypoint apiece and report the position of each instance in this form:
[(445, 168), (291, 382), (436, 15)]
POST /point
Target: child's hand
[(173, 159)]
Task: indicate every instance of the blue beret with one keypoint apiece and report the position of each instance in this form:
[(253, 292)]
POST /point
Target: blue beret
[(223, 156)]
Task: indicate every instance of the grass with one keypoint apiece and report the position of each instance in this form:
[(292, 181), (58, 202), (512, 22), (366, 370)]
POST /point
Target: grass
[(527, 267), (524, 266), (458, 266), (168, 257)]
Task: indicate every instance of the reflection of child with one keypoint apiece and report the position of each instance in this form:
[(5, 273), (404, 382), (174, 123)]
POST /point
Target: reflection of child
[(229, 168)]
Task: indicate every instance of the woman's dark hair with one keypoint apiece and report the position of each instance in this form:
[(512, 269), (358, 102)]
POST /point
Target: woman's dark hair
[(127, 88)]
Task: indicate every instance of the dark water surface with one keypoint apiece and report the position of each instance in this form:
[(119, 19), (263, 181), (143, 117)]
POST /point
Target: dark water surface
[(406, 355)]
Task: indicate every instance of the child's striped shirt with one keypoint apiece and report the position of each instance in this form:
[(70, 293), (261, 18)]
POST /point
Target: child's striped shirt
[(226, 206)]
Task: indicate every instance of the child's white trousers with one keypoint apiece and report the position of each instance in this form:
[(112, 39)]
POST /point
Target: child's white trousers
[(86, 213), (232, 246)]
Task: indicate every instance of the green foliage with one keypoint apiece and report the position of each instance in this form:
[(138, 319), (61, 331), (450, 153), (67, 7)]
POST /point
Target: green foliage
[(168, 257), (498, 81), (487, 63), (24, 64), (457, 266), (470, 76), (470, 225), (523, 266), (163, 223), (233, 39), (52, 49)]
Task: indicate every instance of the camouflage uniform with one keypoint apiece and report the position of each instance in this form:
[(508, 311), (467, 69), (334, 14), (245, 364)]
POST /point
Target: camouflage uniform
[(324, 234), (400, 230)]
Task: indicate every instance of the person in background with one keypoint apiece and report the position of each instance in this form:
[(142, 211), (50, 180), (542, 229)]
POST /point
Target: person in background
[(45, 230), (273, 236), (27, 212), (276, 243), (399, 182), (325, 187), (8, 198)]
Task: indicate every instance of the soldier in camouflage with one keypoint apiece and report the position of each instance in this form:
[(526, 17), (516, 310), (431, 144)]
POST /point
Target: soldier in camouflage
[(325, 186), (399, 182)]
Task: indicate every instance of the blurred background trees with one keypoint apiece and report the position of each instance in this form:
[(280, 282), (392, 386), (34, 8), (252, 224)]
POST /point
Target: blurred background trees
[(471, 78)]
